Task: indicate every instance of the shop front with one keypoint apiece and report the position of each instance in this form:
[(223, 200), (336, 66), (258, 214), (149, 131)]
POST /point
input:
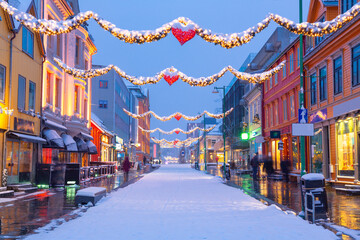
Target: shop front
[(21, 157)]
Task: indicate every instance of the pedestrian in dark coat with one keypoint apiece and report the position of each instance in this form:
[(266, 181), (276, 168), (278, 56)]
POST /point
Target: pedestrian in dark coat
[(255, 165), (285, 165), (126, 168)]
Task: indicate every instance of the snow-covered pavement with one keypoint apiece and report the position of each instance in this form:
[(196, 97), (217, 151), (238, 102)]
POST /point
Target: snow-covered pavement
[(177, 202)]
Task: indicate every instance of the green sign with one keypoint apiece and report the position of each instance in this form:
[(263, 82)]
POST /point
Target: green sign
[(244, 136)]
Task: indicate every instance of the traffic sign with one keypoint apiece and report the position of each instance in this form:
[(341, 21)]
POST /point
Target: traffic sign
[(182, 153), (303, 115)]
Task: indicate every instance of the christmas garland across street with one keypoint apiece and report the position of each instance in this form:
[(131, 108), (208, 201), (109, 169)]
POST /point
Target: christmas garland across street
[(171, 75), (178, 130), (182, 28)]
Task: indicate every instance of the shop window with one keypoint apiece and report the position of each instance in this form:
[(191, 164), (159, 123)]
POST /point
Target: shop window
[(313, 88), (28, 41), (322, 84), (317, 151), (345, 147), (25, 161), (32, 94), (295, 154), (356, 65), (2, 82), (21, 92), (337, 75)]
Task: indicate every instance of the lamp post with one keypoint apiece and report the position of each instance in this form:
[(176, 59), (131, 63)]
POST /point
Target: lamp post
[(223, 122)]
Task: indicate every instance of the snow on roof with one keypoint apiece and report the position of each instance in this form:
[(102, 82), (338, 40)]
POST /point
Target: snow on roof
[(313, 176), (22, 6), (100, 123)]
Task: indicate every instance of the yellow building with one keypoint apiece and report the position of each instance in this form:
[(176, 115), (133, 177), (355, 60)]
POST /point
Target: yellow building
[(20, 99)]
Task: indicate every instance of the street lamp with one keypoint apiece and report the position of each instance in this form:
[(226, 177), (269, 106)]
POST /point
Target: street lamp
[(223, 123)]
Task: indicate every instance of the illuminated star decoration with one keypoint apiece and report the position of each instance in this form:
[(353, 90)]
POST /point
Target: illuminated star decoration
[(171, 75), (178, 130), (182, 28), (188, 118)]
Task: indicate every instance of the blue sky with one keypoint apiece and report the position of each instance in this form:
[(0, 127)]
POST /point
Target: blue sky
[(195, 58)]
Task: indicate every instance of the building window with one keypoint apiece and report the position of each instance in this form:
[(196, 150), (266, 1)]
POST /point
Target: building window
[(270, 83), (2, 82), (28, 41), (76, 99), (103, 103), (298, 57), (292, 106), (58, 92), (284, 72), (265, 86), (271, 116), (58, 45), (48, 87), (322, 84), (86, 67), (285, 109), (313, 89), (345, 147), (291, 62), (21, 92), (295, 154), (347, 4), (103, 84), (77, 50), (318, 40), (85, 108), (275, 78), (356, 65), (32, 92), (276, 114), (337, 75)]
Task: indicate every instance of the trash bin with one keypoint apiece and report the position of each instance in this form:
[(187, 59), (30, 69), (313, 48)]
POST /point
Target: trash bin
[(314, 197)]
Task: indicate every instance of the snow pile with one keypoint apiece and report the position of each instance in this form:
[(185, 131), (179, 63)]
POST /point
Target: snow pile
[(177, 202)]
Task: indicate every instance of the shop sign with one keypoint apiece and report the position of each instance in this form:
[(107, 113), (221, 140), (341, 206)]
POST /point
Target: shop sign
[(24, 125), (119, 140), (303, 129), (119, 147), (255, 132), (280, 145), (259, 139), (319, 116), (275, 134)]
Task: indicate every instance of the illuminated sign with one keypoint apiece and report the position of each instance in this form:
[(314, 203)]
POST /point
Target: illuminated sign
[(119, 140), (319, 116), (255, 133), (245, 136), (104, 139)]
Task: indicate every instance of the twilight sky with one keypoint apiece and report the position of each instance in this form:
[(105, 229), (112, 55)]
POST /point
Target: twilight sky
[(195, 58)]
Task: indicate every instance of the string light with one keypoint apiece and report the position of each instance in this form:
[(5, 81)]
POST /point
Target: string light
[(177, 115), (182, 28), (176, 142), (178, 130), (171, 75)]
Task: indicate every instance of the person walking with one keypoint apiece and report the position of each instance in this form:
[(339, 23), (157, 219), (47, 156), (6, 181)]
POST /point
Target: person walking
[(255, 165), (285, 164), (126, 168)]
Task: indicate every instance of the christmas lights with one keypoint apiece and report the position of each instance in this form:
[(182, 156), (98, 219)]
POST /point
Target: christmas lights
[(182, 28), (178, 130), (178, 114), (171, 75), (176, 142)]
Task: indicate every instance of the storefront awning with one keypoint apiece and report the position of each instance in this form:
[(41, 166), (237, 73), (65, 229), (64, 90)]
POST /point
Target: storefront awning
[(53, 139), (69, 142), (55, 125), (92, 148), (86, 136), (81, 145), (28, 138)]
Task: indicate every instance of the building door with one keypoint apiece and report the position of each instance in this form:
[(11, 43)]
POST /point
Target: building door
[(12, 161)]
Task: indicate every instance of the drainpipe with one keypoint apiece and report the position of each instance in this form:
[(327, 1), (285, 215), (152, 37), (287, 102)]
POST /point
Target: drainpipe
[(9, 106)]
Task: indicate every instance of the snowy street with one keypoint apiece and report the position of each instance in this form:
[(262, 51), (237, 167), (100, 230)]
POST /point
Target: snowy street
[(177, 202)]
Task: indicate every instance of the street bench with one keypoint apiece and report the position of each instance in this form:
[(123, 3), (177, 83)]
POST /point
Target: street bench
[(90, 194)]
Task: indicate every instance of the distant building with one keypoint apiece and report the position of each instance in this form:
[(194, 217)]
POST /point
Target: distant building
[(103, 140), (142, 138), (109, 97)]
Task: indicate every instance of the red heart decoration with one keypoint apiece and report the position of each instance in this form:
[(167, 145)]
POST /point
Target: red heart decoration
[(177, 116), (177, 131), (183, 33), (171, 79), (175, 142)]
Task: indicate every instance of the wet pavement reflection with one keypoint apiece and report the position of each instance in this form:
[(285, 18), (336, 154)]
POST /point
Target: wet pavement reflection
[(23, 216), (344, 210)]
